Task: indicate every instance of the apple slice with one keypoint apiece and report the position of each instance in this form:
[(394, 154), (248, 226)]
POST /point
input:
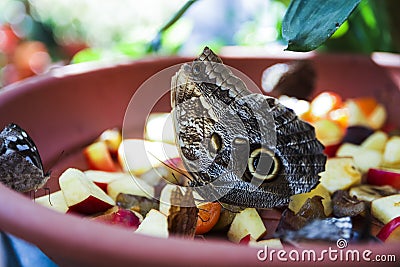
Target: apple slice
[(112, 138), (384, 176), (378, 117), (82, 195), (331, 149), (102, 179), (387, 208), (248, 221), (154, 224), (270, 243), (99, 158), (391, 231), (137, 156), (159, 127), (57, 201), (121, 217), (171, 170), (340, 174), (328, 132), (364, 158), (391, 156), (356, 113), (130, 185), (376, 141)]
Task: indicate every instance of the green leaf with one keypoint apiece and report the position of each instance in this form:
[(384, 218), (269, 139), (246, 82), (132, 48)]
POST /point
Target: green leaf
[(309, 23), (85, 55)]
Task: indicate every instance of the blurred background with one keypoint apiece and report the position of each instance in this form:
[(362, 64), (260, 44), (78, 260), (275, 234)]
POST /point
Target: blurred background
[(37, 35)]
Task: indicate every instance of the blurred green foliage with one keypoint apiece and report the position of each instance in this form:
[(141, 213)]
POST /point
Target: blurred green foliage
[(74, 31)]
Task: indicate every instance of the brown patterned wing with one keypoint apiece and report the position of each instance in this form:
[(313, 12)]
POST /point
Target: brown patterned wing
[(182, 218)]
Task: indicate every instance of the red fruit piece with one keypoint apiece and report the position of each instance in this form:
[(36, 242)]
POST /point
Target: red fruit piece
[(391, 231)]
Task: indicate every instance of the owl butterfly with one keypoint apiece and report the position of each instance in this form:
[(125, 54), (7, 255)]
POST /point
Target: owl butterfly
[(21, 167), (240, 148)]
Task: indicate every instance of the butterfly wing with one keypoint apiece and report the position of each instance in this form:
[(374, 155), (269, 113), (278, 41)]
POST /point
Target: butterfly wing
[(21, 167), (242, 148)]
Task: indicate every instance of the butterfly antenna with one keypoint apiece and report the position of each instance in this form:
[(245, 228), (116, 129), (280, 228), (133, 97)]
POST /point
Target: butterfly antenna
[(172, 168), (47, 190)]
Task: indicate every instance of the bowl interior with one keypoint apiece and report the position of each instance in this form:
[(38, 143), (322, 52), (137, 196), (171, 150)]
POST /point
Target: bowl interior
[(68, 108)]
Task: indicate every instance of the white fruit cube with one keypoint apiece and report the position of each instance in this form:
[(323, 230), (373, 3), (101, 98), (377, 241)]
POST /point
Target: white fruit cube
[(340, 174), (248, 221), (53, 201), (364, 158), (130, 185), (386, 208), (81, 194), (154, 224), (376, 141), (103, 179), (391, 156), (159, 127), (270, 243), (378, 116), (137, 156)]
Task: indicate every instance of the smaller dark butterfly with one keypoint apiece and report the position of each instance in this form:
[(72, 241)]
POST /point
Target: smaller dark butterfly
[(21, 167)]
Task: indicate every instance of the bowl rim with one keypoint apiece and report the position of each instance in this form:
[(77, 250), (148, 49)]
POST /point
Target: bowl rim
[(43, 226)]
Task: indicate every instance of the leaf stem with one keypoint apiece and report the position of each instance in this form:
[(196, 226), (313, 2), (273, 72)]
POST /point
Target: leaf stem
[(155, 43)]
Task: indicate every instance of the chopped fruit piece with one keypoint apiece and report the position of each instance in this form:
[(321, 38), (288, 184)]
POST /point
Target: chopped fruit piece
[(245, 240), (99, 158), (270, 243), (378, 117), (345, 205), (122, 217), (130, 185), (376, 141), (340, 174), (386, 208), (356, 114), (340, 116), (383, 176), (325, 102), (159, 127), (297, 201), (330, 150), (154, 224), (391, 156), (366, 104), (357, 134), (112, 138), (391, 231), (171, 170), (102, 179), (56, 201), (138, 156), (225, 218), (364, 158), (248, 221), (370, 192), (82, 195), (208, 216), (328, 132)]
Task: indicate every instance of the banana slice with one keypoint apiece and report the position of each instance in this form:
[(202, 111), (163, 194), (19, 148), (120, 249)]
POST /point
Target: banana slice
[(372, 192)]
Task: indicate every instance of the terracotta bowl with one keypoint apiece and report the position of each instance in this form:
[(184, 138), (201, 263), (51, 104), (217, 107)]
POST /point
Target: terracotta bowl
[(67, 108)]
